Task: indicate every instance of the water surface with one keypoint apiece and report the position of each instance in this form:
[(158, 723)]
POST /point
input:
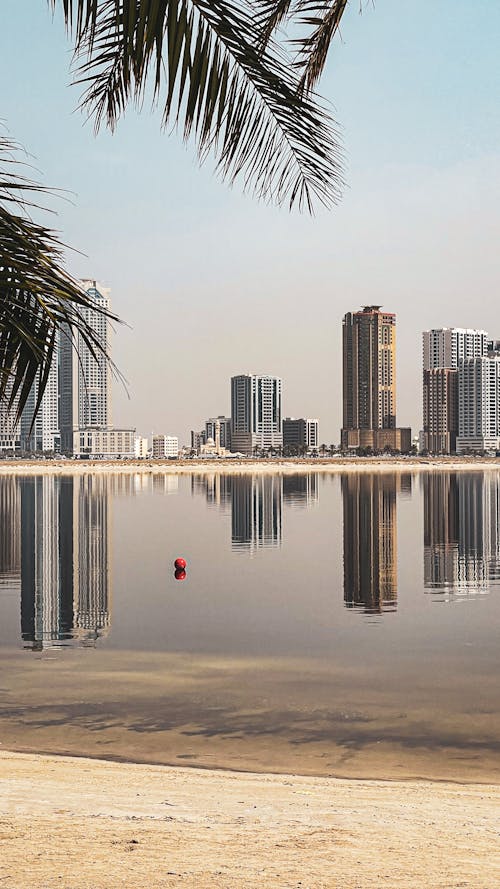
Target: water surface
[(329, 624)]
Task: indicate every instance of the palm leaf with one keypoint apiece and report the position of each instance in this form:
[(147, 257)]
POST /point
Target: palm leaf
[(321, 18), (37, 295), (240, 100)]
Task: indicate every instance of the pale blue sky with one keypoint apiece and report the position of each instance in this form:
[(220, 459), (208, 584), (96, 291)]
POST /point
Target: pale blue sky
[(212, 283)]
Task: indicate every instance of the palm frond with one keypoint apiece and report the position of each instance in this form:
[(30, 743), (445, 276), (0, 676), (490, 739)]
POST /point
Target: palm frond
[(240, 100), (37, 295), (324, 19), (321, 20)]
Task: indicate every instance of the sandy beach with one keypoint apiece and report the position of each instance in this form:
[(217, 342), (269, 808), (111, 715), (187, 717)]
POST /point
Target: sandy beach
[(236, 467), (82, 824)]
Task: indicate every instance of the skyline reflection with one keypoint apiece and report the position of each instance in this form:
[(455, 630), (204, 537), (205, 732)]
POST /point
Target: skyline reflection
[(255, 502), (461, 533), (65, 559)]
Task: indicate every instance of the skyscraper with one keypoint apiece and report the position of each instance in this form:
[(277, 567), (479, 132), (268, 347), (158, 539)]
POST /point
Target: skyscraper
[(447, 346), (479, 404), (255, 413), (85, 379), (43, 433), (369, 381), (444, 349)]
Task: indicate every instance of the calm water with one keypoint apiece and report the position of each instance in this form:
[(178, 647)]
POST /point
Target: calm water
[(321, 616)]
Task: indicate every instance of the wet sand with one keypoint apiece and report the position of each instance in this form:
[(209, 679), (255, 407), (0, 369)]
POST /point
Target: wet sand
[(76, 824), (282, 715)]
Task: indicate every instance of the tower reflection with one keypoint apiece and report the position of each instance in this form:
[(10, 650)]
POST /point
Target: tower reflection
[(256, 511), (461, 532), (10, 538), (370, 541), (65, 557)]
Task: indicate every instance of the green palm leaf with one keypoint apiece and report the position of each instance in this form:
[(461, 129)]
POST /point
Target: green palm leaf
[(37, 295), (206, 64)]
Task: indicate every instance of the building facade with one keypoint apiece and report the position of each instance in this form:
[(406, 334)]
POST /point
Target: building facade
[(141, 447), (300, 435), (443, 350), (369, 382), (440, 410), (255, 413), (85, 379), (104, 443), (223, 424), (165, 446), (42, 433), (479, 404), (448, 346)]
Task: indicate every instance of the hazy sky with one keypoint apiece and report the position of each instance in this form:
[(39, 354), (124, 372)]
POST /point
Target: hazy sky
[(213, 284)]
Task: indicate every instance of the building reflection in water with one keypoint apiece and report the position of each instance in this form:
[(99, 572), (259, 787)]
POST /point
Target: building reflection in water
[(256, 503), (461, 532), (370, 541), (65, 560), (300, 490), (256, 511), (10, 533)]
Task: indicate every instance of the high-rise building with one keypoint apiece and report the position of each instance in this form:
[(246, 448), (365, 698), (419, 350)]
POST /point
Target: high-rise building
[(369, 382), (255, 413), (42, 433), (223, 424), (84, 378), (10, 438), (300, 435), (479, 404), (443, 351), (448, 346), (440, 410)]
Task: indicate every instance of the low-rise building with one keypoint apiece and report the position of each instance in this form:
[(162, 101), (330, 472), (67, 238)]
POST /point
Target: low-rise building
[(141, 447), (105, 443), (165, 446)]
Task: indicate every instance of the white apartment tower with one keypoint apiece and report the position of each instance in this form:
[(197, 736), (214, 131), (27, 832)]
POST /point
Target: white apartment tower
[(447, 346), (479, 404), (85, 380), (43, 433), (255, 413), (444, 350)]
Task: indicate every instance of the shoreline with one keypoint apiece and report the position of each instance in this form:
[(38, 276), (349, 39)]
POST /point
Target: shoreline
[(240, 467), (93, 821)]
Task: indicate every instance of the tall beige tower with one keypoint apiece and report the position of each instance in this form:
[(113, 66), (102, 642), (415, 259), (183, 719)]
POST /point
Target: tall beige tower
[(369, 381)]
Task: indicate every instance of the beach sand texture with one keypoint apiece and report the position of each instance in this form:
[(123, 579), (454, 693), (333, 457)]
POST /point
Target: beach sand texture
[(86, 824)]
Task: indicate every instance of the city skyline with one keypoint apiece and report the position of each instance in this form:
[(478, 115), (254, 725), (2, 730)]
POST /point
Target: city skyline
[(416, 231)]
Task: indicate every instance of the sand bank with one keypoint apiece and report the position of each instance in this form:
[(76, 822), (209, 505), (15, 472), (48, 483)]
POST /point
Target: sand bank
[(237, 467), (75, 823)]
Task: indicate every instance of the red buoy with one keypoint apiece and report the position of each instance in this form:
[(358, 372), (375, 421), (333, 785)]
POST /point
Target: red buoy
[(180, 564), (180, 574)]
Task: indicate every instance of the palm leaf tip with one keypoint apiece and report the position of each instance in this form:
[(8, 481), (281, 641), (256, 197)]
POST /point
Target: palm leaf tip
[(239, 99)]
